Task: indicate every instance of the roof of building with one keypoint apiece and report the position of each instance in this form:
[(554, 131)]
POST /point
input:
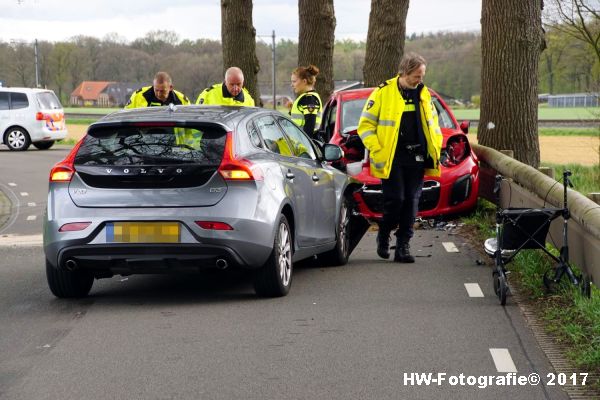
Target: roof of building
[(90, 90)]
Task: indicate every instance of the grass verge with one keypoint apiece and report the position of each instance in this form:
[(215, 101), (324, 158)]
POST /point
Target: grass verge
[(572, 319), (585, 179)]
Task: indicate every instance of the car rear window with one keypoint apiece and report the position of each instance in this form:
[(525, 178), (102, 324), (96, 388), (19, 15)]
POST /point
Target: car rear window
[(152, 145), (48, 101)]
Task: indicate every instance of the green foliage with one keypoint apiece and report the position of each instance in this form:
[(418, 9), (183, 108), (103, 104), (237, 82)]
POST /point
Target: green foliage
[(585, 179), (454, 63)]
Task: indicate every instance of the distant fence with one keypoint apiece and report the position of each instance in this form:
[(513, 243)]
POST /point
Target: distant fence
[(574, 100), (528, 187)]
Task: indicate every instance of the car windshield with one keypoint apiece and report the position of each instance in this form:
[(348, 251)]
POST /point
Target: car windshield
[(352, 109), (48, 101), (152, 145)]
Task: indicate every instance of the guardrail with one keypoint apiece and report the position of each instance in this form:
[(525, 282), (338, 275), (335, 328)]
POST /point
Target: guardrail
[(528, 187)]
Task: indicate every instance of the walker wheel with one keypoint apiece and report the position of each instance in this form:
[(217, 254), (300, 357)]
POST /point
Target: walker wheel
[(500, 286), (495, 276), (549, 282), (503, 289), (586, 286)]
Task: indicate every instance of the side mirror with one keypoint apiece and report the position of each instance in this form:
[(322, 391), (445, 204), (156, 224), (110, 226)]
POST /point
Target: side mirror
[(332, 152), (464, 126)]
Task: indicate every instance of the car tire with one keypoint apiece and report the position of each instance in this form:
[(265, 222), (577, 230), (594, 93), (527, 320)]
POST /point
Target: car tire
[(68, 284), (45, 145), (341, 252), (274, 279), (17, 139)]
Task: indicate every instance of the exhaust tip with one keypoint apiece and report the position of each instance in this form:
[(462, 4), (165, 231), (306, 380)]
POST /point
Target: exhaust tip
[(221, 263), (71, 264)]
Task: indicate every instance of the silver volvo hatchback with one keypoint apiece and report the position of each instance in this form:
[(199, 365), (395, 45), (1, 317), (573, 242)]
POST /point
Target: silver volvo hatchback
[(181, 188)]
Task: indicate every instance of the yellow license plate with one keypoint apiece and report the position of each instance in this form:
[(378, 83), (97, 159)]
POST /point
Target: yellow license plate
[(143, 232)]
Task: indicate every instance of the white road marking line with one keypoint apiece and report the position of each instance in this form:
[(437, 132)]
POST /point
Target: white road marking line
[(24, 194), (503, 360), (31, 217), (31, 204), (450, 247), (16, 240), (12, 184), (474, 290)]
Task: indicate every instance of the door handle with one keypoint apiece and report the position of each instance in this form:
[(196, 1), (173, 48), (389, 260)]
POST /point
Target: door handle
[(315, 178), (290, 175)]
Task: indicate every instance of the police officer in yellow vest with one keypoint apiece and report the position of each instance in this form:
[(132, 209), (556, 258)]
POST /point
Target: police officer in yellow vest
[(399, 127), (306, 110), (161, 93), (231, 92)]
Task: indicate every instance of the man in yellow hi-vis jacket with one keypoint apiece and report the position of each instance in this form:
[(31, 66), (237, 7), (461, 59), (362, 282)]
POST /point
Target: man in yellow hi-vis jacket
[(230, 92), (161, 93), (399, 127)]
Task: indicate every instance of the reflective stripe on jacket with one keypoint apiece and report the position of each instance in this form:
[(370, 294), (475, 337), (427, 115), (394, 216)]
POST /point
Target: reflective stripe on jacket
[(139, 98), (380, 122), (214, 95), (298, 110)]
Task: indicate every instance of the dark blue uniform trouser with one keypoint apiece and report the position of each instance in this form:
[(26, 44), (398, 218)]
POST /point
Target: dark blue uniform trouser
[(401, 193)]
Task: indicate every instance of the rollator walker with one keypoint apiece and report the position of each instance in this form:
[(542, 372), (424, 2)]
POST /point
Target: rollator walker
[(526, 228)]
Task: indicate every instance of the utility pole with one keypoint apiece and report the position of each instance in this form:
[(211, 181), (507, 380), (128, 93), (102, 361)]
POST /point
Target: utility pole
[(37, 71), (274, 85)]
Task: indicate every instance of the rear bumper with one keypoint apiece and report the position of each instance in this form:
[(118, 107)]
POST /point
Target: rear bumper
[(44, 134), (125, 259)]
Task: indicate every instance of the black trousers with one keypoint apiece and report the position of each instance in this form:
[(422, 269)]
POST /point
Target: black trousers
[(401, 193)]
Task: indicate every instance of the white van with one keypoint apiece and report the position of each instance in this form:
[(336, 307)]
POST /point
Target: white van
[(30, 116)]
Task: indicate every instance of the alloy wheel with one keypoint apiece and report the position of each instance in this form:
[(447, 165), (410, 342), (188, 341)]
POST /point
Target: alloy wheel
[(285, 255)]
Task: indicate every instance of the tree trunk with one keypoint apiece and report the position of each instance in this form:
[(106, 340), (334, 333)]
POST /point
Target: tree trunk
[(238, 38), (316, 39), (385, 40), (511, 43)]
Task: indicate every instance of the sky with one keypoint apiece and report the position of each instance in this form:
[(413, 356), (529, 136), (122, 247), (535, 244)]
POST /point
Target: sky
[(59, 20)]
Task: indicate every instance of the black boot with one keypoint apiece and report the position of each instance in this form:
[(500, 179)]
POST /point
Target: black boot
[(383, 244), (402, 253)]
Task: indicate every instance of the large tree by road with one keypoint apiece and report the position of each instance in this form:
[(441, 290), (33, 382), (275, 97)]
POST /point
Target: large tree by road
[(511, 41), (385, 40), (238, 38), (316, 39)]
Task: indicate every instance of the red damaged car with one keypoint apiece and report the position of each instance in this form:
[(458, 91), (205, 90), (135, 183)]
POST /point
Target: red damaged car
[(455, 191)]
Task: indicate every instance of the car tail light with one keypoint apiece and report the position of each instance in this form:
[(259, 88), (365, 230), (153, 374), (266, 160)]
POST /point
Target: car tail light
[(214, 225), (63, 171), (457, 149), (74, 226), (237, 169)]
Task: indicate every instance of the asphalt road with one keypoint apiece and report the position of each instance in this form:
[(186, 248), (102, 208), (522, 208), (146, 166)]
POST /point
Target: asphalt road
[(352, 332)]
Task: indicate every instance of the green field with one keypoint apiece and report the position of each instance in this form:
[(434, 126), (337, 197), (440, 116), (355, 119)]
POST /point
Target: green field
[(574, 113), (90, 110)]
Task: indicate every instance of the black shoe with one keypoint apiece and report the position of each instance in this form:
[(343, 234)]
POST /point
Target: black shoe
[(383, 244), (402, 253)]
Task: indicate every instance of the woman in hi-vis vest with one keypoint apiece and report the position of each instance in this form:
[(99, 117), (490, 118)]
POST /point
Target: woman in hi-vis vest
[(307, 109)]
